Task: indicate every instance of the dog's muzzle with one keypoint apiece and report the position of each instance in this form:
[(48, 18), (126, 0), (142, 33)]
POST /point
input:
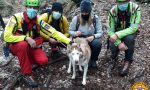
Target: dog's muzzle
[(76, 62)]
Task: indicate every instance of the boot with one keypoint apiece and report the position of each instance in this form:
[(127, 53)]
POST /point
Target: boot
[(90, 64), (125, 69), (94, 65), (29, 80)]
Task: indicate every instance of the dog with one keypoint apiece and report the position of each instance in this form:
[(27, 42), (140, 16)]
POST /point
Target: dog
[(79, 54)]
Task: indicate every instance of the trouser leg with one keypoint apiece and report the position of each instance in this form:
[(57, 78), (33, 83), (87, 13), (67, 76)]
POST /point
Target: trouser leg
[(95, 49), (129, 42), (21, 50), (114, 51), (39, 56), (95, 46)]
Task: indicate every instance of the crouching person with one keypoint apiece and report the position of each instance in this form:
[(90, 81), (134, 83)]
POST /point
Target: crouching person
[(124, 20), (88, 26), (25, 34), (58, 21)]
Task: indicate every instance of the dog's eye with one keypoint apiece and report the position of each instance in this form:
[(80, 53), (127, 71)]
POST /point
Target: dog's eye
[(77, 53)]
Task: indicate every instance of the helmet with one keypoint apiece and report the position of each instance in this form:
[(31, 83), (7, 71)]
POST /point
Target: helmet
[(32, 3), (122, 0)]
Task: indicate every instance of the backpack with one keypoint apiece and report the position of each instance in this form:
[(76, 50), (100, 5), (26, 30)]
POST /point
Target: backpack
[(78, 22)]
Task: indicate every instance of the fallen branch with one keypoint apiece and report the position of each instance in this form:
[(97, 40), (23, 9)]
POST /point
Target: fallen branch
[(56, 60), (7, 62)]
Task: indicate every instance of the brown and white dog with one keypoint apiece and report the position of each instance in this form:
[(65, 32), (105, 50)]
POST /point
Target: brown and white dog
[(79, 54)]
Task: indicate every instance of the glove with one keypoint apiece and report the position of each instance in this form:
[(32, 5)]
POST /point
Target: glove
[(53, 41), (31, 42), (78, 33)]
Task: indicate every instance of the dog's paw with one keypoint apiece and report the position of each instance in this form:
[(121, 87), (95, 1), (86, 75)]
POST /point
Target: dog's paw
[(83, 82), (73, 77), (68, 71)]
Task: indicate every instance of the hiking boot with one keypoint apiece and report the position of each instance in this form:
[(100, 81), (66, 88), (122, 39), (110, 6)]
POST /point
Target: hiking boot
[(28, 79), (34, 67), (94, 65), (125, 69)]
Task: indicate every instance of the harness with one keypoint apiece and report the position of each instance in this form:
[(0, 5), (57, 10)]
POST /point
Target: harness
[(35, 28)]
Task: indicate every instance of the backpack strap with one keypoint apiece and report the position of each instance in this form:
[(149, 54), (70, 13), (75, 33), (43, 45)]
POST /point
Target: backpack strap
[(16, 23), (48, 15), (134, 10), (62, 22), (49, 12), (78, 22), (94, 23)]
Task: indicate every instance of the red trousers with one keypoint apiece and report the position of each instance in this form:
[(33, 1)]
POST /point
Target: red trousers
[(28, 56)]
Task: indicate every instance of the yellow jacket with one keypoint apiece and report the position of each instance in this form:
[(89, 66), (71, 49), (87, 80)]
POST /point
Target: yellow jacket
[(15, 24), (64, 24)]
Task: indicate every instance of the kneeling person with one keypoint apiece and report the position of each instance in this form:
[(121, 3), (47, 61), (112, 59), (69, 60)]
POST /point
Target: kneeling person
[(58, 21), (25, 34), (124, 20)]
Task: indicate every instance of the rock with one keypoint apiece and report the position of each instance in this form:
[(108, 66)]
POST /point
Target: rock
[(103, 74)]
